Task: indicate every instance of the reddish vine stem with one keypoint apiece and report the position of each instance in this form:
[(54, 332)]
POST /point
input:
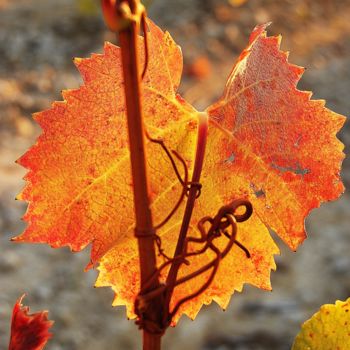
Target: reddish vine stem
[(144, 227), (125, 17), (192, 196), (152, 305)]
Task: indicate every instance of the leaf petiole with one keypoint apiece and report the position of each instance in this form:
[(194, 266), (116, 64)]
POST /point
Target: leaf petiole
[(192, 196)]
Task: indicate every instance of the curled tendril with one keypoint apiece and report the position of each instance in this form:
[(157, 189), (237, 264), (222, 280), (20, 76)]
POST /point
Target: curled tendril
[(186, 186), (225, 219), (224, 223)]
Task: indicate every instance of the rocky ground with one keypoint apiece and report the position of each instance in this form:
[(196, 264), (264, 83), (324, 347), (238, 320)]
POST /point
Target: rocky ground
[(38, 38)]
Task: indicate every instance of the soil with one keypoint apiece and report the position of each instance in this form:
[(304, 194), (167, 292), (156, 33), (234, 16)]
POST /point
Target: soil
[(38, 39)]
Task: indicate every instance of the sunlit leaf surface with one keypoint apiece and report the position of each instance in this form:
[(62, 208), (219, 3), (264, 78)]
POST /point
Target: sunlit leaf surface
[(267, 142)]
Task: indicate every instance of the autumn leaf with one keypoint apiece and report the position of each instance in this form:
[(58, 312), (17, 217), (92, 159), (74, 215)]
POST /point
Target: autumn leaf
[(267, 142), (29, 331), (282, 143), (327, 329), (79, 184)]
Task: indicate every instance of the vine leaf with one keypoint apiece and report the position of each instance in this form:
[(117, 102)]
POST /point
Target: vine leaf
[(277, 146), (267, 142), (327, 329), (29, 331)]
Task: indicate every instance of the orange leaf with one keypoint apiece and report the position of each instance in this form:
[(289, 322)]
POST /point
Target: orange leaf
[(79, 184), (281, 144), (267, 142), (29, 331)]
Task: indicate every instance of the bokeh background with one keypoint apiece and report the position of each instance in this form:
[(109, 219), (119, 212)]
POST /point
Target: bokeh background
[(38, 39)]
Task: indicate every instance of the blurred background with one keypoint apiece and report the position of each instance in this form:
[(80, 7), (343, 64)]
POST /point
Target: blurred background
[(38, 39)]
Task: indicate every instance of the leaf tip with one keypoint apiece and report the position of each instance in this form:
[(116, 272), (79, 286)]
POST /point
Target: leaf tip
[(77, 61), (16, 239), (258, 31)]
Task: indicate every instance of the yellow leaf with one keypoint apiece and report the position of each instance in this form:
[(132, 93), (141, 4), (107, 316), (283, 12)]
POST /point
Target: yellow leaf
[(327, 329)]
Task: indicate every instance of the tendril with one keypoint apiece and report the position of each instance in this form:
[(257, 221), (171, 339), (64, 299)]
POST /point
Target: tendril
[(184, 183), (145, 36), (225, 218), (223, 224)]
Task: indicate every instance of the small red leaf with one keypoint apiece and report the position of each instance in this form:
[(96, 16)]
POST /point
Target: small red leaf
[(29, 331)]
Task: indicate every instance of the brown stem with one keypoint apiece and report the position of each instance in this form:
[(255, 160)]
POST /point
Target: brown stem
[(125, 17), (144, 230), (192, 195)]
